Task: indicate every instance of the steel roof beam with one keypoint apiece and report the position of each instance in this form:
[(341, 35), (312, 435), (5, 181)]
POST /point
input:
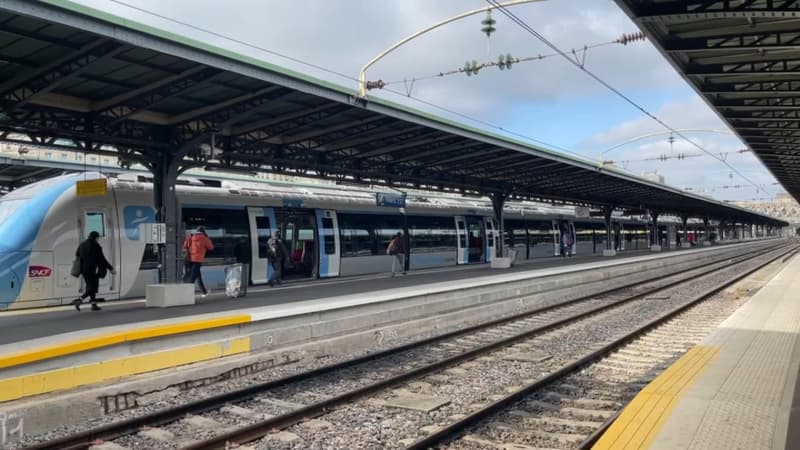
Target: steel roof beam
[(221, 106), (366, 138), (7, 28), (408, 145), (446, 149), (316, 133), (28, 82), (277, 120), (700, 9), (488, 150)]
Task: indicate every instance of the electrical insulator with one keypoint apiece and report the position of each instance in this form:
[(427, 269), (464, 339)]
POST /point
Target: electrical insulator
[(375, 84), (471, 68), (505, 61), (625, 39), (488, 24)]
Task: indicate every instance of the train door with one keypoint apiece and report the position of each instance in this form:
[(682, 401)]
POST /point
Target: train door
[(556, 239), (463, 243), (98, 219), (492, 238), (299, 233), (476, 238), (262, 225), (329, 248)]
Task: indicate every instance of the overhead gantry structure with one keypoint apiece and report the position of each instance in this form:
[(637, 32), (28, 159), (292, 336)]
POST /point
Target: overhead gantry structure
[(107, 85), (743, 58)]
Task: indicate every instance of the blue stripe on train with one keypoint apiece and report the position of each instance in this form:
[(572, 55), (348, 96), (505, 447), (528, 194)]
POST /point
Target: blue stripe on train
[(17, 235)]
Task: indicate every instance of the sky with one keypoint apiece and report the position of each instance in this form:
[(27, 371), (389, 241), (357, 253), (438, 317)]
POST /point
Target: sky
[(547, 102)]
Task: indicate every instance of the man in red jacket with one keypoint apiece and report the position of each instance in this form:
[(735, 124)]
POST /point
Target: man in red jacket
[(196, 247)]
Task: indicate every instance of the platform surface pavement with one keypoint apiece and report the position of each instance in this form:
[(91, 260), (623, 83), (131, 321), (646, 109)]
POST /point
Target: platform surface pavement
[(37, 325), (735, 390)]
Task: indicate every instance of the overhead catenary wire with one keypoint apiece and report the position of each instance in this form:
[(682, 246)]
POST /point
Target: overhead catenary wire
[(334, 72), (514, 18)]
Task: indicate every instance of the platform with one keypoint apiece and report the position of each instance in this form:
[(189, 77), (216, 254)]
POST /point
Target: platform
[(44, 351), (737, 389), (35, 324)]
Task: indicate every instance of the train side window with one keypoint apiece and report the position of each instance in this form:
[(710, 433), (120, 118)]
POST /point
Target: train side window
[(327, 231), (95, 222), (264, 233)]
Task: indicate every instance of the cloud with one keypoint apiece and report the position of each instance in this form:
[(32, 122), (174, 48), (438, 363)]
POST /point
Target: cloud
[(342, 36)]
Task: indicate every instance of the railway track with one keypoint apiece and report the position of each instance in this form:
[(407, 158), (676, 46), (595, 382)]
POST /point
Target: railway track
[(289, 402)]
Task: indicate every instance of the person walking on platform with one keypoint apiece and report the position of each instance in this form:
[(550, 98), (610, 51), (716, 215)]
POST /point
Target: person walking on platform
[(276, 254), (397, 249), (196, 246), (566, 243), (94, 266)]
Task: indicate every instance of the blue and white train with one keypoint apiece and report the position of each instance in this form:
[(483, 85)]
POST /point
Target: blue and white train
[(328, 231)]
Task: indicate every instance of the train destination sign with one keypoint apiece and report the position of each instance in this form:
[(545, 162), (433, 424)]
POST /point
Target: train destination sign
[(91, 188), (390, 200)]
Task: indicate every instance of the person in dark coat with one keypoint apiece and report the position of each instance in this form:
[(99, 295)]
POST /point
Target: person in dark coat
[(94, 266)]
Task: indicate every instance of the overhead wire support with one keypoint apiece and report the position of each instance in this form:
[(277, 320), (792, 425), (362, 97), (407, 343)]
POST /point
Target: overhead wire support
[(514, 18)]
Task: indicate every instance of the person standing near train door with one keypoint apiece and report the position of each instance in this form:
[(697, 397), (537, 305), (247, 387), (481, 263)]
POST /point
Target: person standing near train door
[(277, 256), (93, 267), (197, 246), (397, 248)]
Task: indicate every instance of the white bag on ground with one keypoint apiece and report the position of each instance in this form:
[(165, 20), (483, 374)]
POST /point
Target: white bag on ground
[(233, 281)]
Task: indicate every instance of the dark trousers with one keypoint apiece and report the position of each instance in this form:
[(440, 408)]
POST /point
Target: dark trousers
[(197, 276), (277, 272), (92, 285)]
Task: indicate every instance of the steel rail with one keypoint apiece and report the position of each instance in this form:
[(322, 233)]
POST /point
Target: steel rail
[(84, 440), (457, 427), (260, 429)]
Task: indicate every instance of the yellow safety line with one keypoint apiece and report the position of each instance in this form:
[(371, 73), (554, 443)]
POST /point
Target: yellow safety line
[(108, 339), (643, 418), (71, 377)]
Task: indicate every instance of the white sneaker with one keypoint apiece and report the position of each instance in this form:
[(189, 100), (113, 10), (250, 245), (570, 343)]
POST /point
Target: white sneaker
[(204, 295)]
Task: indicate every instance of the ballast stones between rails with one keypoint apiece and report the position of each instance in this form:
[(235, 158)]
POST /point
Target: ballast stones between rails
[(387, 429)]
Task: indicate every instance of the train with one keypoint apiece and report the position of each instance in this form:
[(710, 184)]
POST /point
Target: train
[(329, 231)]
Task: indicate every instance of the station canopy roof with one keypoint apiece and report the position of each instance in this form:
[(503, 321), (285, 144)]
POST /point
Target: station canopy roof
[(743, 57), (71, 72)]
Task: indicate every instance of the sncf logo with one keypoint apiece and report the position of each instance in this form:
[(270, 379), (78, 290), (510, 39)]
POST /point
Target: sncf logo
[(39, 272)]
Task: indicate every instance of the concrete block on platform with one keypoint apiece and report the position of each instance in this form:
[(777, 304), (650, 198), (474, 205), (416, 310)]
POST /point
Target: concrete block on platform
[(655, 248), (706, 243), (166, 295), (499, 262), (686, 245), (609, 252)]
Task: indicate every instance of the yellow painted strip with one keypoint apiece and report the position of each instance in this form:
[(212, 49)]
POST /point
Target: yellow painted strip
[(646, 414), (108, 339), (68, 378)]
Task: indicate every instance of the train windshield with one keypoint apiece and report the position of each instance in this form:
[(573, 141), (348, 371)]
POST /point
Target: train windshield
[(8, 207)]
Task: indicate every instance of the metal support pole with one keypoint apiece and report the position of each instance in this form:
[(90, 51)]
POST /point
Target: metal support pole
[(608, 211), (707, 228), (655, 241), (498, 203), (165, 175), (362, 74), (685, 237)]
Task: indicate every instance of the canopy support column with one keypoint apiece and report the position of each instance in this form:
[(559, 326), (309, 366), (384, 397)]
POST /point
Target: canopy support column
[(685, 237), (165, 176), (655, 241), (608, 210), (498, 203), (707, 233)]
